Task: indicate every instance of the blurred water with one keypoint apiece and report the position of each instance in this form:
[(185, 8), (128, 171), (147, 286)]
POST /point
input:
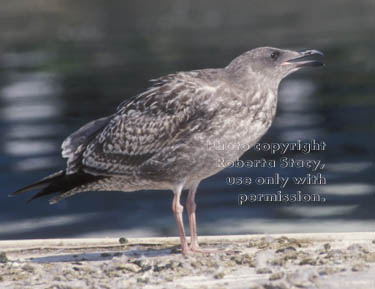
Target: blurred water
[(63, 63)]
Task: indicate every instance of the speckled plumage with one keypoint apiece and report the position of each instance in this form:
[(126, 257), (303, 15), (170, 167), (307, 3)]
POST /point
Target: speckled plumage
[(162, 138)]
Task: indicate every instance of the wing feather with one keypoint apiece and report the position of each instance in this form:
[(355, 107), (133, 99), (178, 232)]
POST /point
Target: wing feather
[(74, 145), (164, 115)]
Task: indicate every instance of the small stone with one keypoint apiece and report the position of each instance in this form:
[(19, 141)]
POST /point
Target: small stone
[(355, 247), (3, 257), (321, 261), (128, 267), (165, 266), (219, 275), (277, 276), (105, 255), (263, 271), (290, 255), (144, 280), (176, 250), (28, 268), (308, 261), (370, 257), (278, 262), (286, 249), (359, 267), (57, 278), (264, 242), (283, 239), (334, 254), (327, 246), (144, 264), (244, 259), (327, 271), (123, 240)]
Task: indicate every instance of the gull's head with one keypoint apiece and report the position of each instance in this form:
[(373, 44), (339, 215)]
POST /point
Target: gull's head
[(273, 64)]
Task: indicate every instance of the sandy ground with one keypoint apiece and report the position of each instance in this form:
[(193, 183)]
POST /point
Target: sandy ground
[(340, 260)]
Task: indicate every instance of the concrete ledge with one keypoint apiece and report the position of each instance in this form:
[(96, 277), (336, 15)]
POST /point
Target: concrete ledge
[(103, 242), (318, 260)]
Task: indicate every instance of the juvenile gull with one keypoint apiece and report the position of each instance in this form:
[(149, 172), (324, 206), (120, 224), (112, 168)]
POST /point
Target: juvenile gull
[(160, 139)]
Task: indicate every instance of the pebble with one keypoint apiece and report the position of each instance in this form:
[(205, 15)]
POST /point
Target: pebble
[(370, 257), (327, 246), (308, 261), (144, 280), (327, 271), (242, 259), (277, 276), (123, 240), (286, 249), (263, 271), (28, 268), (278, 262), (3, 257), (128, 267), (219, 275), (359, 267)]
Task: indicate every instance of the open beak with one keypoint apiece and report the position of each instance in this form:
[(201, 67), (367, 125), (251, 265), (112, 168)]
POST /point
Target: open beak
[(304, 59)]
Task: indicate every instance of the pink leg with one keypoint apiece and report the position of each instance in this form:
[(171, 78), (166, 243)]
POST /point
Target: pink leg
[(177, 210), (191, 207)]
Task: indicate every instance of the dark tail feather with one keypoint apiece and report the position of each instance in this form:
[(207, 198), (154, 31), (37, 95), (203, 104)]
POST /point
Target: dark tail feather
[(40, 184), (58, 182)]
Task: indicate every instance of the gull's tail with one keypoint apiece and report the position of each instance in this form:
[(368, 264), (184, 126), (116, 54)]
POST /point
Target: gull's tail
[(60, 183)]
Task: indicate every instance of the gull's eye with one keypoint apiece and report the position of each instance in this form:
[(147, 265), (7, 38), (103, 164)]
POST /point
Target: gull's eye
[(275, 54)]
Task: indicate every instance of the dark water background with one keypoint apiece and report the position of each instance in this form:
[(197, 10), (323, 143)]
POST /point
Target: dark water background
[(63, 63)]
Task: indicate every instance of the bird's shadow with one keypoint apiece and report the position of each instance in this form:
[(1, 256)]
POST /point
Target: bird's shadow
[(104, 256)]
